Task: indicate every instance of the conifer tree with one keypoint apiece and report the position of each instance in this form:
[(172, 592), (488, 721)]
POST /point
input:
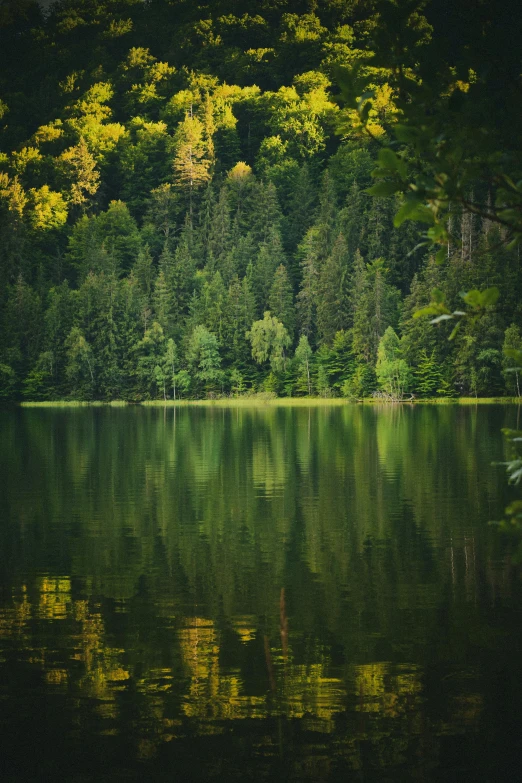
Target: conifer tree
[(327, 214), (351, 219), (429, 380), (332, 294), (150, 351), (269, 258), (308, 253), (240, 313), (264, 212), (192, 161), (281, 299), (303, 355), (204, 360), (144, 272), (300, 214), (162, 301), (220, 230)]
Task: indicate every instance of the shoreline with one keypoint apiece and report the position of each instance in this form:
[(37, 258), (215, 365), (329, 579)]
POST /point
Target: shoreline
[(257, 402)]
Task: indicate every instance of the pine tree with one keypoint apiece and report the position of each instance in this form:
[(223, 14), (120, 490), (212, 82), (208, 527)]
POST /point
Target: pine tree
[(375, 305), (332, 294), (204, 360), (264, 212), (302, 356), (327, 214), (220, 231), (162, 302), (79, 367), (213, 305), (300, 215), (144, 272), (281, 299), (429, 380), (351, 219), (308, 253), (270, 256), (150, 352), (240, 313)]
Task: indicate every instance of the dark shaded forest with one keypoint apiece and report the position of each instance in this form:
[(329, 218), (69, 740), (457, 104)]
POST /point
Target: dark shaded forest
[(184, 210)]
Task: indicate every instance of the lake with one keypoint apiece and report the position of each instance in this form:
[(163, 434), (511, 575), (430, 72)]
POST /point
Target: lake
[(280, 593)]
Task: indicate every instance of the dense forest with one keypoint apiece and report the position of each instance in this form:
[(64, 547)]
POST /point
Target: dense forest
[(184, 210)]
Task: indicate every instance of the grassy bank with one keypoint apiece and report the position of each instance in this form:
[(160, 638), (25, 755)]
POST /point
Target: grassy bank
[(259, 401)]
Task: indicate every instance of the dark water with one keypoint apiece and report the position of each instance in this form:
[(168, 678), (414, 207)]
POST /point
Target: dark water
[(244, 594)]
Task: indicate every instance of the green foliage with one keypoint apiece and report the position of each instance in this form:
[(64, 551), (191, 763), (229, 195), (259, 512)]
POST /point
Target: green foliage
[(393, 374), (148, 191), (302, 356), (512, 360), (269, 338), (204, 360), (429, 380)]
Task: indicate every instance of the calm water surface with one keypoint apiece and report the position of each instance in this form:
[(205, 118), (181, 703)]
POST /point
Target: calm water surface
[(249, 594)]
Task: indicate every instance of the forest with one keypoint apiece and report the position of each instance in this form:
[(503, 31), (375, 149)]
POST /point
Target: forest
[(188, 206)]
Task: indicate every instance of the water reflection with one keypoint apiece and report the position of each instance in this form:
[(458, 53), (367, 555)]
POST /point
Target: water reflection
[(316, 589)]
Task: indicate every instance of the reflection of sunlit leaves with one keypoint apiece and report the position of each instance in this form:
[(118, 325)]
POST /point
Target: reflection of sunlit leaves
[(57, 677), (369, 683), (380, 691), (308, 690), (245, 627), (213, 695), (14, 619), (55, 597)]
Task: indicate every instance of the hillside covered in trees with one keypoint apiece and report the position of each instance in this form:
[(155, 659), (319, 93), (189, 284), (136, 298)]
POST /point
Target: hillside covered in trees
[(184, 211)]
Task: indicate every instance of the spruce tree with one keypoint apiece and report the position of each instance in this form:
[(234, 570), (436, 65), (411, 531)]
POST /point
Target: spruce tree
[(332, 293), (281, 299)]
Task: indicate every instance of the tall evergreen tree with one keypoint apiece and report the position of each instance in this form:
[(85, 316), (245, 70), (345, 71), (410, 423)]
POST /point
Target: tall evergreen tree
[(281, 299)]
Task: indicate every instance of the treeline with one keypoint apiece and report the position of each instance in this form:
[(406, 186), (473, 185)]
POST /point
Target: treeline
[(189, 218)]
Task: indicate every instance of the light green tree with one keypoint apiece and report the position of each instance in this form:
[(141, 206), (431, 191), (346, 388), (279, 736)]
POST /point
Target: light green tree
[(429, 379), (393, 374), (79, 367), (150, 352), (303, 354), (204, 359), (269, 339), (170, 360)]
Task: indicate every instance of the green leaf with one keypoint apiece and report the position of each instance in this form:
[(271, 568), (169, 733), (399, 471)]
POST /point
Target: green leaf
[(404, 212), (455, 331), (490, 296), (472, 298), (422, 214), (384, 188), (406, 134), (388, 159), (514, 353), (429, 310), (440, 256)]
